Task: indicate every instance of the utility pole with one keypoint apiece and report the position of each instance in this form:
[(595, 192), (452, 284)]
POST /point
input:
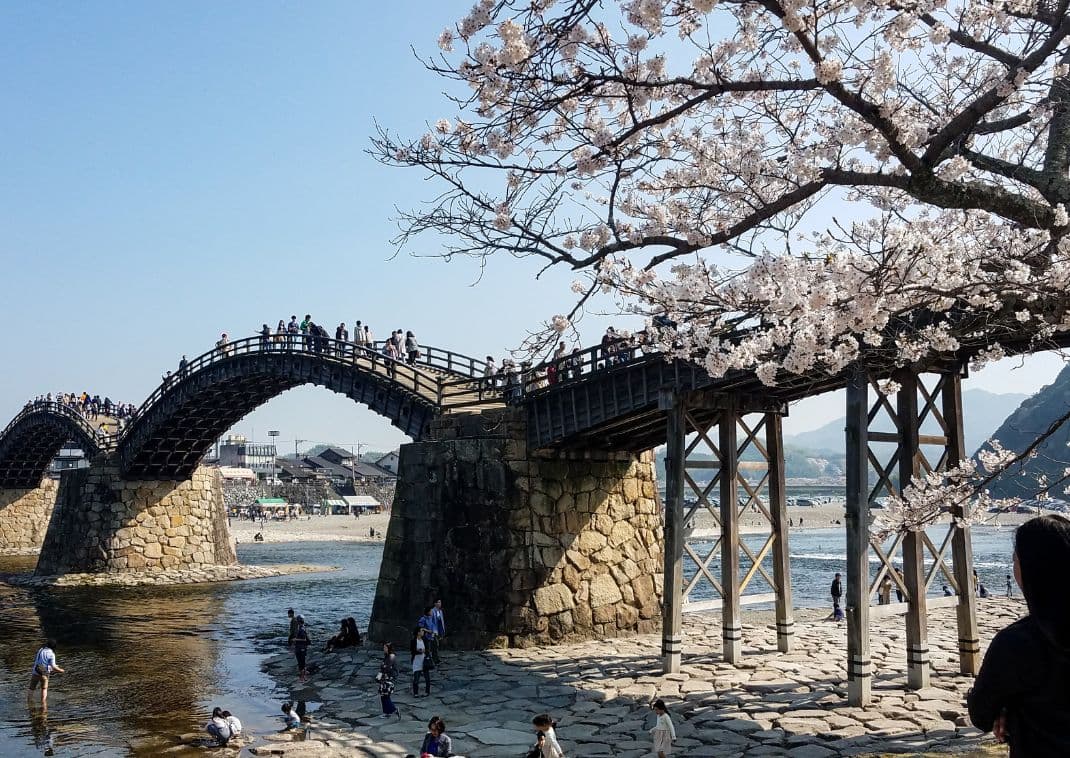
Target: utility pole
[(273, 434)]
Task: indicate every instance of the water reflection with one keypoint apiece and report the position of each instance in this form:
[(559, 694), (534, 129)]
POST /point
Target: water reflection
[(146, 664)]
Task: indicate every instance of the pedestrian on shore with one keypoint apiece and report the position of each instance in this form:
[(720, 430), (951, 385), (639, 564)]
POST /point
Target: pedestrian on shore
[(439, 618), (44, 663), (302, 641), (982, 591), (233, 723), (436, 742), (421, 664), (388, 674), (884, 597), (290, 719), (948, 592), (427, 623), (1022, 693), (1010, 587), (551, 748), (664, 732), (289, 612), (218, 727), (837, 593)]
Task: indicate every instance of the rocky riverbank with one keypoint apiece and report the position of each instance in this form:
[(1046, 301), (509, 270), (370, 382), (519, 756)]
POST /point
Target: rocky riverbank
[(196, 575), (772, 704)]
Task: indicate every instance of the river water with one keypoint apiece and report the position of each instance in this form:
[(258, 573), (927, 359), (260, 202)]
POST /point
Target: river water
[(147, 664)]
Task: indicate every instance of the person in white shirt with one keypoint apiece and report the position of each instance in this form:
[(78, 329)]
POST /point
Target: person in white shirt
[(551, 748), (44, 663), (420, 664), (664, 732), (233, 723), (218, 727)]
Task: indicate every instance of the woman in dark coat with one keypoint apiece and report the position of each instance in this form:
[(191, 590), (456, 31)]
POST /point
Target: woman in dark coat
[(1022, 693)]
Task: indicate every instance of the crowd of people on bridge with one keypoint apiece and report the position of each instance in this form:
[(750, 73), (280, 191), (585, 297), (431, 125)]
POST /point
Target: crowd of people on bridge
[(616, 347), (512, 378), (91, 407)]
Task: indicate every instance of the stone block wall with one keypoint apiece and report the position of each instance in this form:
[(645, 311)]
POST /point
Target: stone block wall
[(24, 516), (104, 523), (523, 549)]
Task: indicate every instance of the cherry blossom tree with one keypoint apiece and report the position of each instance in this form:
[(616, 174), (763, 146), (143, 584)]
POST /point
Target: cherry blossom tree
[(794, 185)]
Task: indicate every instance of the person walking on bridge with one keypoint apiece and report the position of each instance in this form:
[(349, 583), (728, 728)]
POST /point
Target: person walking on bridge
[(358, 334), (341, 335), (412, 348), (265, 337), (306, 331), (292, 329)]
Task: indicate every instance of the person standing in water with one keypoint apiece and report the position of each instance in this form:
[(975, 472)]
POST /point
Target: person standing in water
[(44, 663), (1022, 693)]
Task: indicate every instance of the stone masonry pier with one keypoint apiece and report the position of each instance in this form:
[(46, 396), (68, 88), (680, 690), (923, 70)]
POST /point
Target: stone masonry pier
[(24, 516), (103, 523), (526, 549)]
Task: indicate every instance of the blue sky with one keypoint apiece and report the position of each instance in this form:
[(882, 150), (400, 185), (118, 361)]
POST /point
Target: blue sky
[(171, 171)]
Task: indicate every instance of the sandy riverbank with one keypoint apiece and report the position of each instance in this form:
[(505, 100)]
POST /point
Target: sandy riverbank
[(818, 517), (352, 529), (316, 529)]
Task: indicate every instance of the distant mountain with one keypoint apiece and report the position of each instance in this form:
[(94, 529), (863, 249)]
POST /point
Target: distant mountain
[(1032, 418), (983, 411)]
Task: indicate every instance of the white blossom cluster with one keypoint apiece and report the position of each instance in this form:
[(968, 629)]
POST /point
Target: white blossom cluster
[(954, 492), (796, 185)]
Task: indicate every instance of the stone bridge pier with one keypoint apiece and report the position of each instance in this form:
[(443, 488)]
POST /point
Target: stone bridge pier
[(103, 523), (24, 516), (524, 548)]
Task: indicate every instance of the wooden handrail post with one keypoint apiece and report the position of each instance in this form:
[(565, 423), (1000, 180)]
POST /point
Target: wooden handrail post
[(672, 591), (859, 665)]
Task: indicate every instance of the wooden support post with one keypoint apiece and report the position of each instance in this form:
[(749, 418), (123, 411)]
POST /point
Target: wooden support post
[(672, 591), (778, 510), (859, 665), (731, 626), (961, 540), (913, 541)]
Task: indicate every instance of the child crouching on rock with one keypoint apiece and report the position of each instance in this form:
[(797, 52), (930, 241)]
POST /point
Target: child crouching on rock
[(664, 732)]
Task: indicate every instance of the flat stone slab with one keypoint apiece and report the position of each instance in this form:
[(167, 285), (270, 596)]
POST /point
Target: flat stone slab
[(503, 737)]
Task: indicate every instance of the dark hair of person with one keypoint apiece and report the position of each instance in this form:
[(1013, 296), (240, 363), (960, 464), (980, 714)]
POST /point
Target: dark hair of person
[(217, 712), (389, 648), (1042, 545), (289, 611), (428, 609), (50, 643), (543, 720), (660, 705), (226, 714), (287, 707)]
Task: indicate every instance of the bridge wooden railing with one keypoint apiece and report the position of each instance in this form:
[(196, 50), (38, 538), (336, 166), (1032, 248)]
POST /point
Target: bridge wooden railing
[(425, 378), (528, 379), (61, 409)]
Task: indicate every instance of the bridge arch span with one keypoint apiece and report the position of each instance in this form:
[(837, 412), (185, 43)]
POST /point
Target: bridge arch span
[(173, 430), (35, 436)]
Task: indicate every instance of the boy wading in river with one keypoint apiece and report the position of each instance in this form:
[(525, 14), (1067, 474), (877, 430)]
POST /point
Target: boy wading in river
[(43, 666)]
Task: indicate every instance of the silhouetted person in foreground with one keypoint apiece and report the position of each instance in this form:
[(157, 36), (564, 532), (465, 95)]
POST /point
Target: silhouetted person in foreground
[(1022, 694)]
